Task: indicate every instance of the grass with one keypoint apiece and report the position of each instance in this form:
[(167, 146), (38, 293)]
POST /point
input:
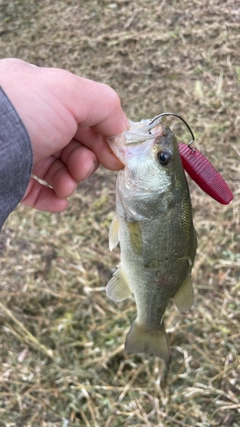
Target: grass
[(61, 347)]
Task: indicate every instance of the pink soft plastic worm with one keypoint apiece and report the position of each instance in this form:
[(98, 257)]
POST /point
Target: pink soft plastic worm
[(204, 174)]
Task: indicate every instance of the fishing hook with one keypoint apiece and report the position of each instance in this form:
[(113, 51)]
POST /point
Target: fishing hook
[(181, 118)]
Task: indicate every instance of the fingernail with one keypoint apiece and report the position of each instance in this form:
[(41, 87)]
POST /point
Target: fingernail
[(92, 169), (75, 187)]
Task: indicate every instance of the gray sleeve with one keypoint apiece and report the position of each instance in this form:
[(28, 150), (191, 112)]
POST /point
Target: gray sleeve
[(15, 158)]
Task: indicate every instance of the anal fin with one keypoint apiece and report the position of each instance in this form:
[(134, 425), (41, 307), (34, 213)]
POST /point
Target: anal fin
[(118, 288), (183, 298)]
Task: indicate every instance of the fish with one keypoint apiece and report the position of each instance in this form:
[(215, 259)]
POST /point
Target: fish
[(154, 226)]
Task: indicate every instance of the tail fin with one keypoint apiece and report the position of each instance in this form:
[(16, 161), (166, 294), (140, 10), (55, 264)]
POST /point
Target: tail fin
[(152, 342)]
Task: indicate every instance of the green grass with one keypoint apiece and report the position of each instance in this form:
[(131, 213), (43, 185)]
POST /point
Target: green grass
[(61, 340)]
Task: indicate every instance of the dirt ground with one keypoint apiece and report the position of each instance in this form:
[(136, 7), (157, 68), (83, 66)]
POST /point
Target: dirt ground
[(61, 340)]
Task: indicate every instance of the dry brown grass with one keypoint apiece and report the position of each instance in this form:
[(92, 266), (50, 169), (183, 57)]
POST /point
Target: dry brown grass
[(61, 348)]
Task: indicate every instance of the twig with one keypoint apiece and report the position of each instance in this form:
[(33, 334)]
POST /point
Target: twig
[(27, 336)]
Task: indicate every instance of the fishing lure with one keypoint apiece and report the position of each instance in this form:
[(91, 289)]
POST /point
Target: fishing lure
[(201, 170), (204, 174)]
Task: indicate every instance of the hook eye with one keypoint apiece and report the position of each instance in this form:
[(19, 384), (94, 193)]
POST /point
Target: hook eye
[(184, 121)]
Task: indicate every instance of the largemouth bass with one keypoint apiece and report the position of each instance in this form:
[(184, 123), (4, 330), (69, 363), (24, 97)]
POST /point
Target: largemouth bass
[(154, 226)]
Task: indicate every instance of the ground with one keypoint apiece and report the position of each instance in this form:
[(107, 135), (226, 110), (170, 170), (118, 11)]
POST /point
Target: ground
[(61, 347)]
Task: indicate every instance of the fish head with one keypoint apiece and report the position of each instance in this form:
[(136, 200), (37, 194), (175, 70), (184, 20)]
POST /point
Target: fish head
[(150, 155)]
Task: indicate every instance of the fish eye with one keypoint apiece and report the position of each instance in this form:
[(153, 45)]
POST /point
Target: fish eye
[(164, 157)]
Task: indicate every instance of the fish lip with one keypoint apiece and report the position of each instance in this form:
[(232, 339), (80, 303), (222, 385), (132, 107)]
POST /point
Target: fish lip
[(139, 134), (142, 133)]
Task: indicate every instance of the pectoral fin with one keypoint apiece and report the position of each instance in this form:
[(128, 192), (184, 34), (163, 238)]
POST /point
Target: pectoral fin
[(113, 233), (118, 288), (183, 298), (135, 236)]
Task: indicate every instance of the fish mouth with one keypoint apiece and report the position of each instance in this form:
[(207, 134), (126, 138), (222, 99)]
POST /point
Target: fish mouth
[(149, 131), (139, 134)]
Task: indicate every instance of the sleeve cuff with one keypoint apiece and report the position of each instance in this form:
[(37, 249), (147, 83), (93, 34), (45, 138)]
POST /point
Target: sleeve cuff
[(16, 158)]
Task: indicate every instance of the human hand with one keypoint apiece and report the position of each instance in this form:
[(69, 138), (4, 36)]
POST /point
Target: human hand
[(67, 118)]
